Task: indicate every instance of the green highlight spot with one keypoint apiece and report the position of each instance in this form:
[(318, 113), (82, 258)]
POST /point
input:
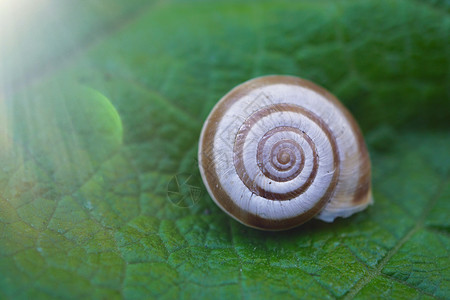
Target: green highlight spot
[(66, 131)]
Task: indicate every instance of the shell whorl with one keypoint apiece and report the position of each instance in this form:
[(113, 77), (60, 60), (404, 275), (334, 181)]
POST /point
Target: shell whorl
[(282, 170), (278, 150)]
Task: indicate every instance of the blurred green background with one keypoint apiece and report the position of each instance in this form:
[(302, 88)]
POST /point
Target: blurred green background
[(101, 107)]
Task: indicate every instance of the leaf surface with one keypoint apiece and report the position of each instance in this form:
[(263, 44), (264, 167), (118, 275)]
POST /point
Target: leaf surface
[(101, 107)]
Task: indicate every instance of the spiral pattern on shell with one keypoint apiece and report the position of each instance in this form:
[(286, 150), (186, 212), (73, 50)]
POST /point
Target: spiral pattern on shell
[(287, 158), (276, 150)]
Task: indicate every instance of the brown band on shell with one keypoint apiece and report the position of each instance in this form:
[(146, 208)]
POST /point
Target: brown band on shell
[(363, 191)]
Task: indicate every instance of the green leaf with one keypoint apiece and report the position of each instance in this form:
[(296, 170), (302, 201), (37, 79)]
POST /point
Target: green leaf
[(101, 107)]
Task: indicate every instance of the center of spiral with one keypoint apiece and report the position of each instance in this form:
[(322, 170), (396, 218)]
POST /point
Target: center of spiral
[(283, 157), (283, 153)]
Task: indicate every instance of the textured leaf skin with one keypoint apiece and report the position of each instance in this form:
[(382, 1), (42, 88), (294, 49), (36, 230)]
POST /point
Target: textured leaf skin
[(94, 128)]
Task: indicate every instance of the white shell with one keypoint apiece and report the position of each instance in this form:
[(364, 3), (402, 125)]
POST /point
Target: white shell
[(279, 150)]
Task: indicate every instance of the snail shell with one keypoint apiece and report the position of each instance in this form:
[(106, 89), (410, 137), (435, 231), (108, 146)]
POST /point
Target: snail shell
[(277, 151)]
